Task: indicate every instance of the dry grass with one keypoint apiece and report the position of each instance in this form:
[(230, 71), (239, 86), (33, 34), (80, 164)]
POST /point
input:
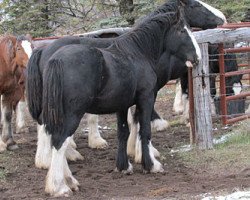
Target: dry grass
[(233, 156)]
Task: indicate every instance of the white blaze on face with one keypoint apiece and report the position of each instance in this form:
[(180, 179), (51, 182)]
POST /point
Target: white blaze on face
[(27, 47), (214, 11), (197, 48), (237, 88)]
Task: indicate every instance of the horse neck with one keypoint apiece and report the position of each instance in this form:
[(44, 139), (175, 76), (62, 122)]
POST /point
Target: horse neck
[(142, 43), (163, 69)]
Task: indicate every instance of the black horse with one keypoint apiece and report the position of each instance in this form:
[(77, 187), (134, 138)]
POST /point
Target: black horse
[(83, 78), (197, 13)]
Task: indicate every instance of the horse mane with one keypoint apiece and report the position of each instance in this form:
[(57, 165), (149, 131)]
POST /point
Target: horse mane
[(8, 43), (169, 6), (144, 38), (21, 38)]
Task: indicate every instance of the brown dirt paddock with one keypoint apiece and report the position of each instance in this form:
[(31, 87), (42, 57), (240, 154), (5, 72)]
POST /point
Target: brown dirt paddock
[(19, 179)]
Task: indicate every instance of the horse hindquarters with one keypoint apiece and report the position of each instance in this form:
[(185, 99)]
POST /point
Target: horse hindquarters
[(68, 89), (59, 181)]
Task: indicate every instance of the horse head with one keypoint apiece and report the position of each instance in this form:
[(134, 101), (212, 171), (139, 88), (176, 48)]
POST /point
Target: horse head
[(181, 42), (202, 15), (23, 51)]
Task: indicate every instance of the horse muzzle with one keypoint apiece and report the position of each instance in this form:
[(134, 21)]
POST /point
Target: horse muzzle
[(193, 63)]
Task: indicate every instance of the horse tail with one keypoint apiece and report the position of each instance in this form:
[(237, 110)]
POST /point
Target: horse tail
[(53, 97), (34, 85)]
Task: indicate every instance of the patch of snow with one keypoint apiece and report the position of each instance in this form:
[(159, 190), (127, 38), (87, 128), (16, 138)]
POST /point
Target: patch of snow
[(184, 148), (239, 195), (223, 138), (220, 140)]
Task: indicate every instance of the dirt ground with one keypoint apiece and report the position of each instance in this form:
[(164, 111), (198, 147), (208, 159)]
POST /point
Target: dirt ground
[(96, 172)]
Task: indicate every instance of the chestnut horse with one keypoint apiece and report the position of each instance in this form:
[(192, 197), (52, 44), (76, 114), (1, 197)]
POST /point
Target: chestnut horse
[(14, 57)]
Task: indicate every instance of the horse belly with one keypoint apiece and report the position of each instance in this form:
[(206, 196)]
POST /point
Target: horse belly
[(112, 102)]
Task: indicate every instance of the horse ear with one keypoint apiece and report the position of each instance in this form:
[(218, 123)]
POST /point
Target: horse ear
[(183, 2)]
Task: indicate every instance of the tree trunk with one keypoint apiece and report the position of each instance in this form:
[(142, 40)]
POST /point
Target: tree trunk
[(126, 8)]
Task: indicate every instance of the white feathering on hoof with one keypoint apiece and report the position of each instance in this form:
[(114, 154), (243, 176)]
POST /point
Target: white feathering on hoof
[(43, 152), (72, 154), (59, 180), (159, 125), (127, 171), (3, 146), (178, 106), (157, 166), (20, 118), (189, 64), (95, 139), (138, 149)]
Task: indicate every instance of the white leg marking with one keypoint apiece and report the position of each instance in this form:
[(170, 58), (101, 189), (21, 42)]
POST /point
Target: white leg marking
[(56, 183), (72, 154), (70, 179), (157, 166), (138, 149), (72, 142), (7, 132), (213, 109), (94, 138), (129, 170), (3, 146), (43, 152), (6, 124), (178, 104), (156, 153), (130, 117), (185, 115), (159, 125), (132, 139), (20, 112)]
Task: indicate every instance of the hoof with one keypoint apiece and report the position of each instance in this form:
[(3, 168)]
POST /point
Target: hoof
[(3, 146), (72, 154), (72, 183), (64, 191), (98, 143), (159, 125), (11, 145), (155, 151), (41, 164), (157, 167), (57, 189), (127, 171)]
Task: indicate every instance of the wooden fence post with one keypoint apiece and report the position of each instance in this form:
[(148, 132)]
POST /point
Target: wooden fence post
[(202, 101)]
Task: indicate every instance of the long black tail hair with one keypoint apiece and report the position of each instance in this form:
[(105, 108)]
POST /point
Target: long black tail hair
[(34, 85), (53, 98)]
